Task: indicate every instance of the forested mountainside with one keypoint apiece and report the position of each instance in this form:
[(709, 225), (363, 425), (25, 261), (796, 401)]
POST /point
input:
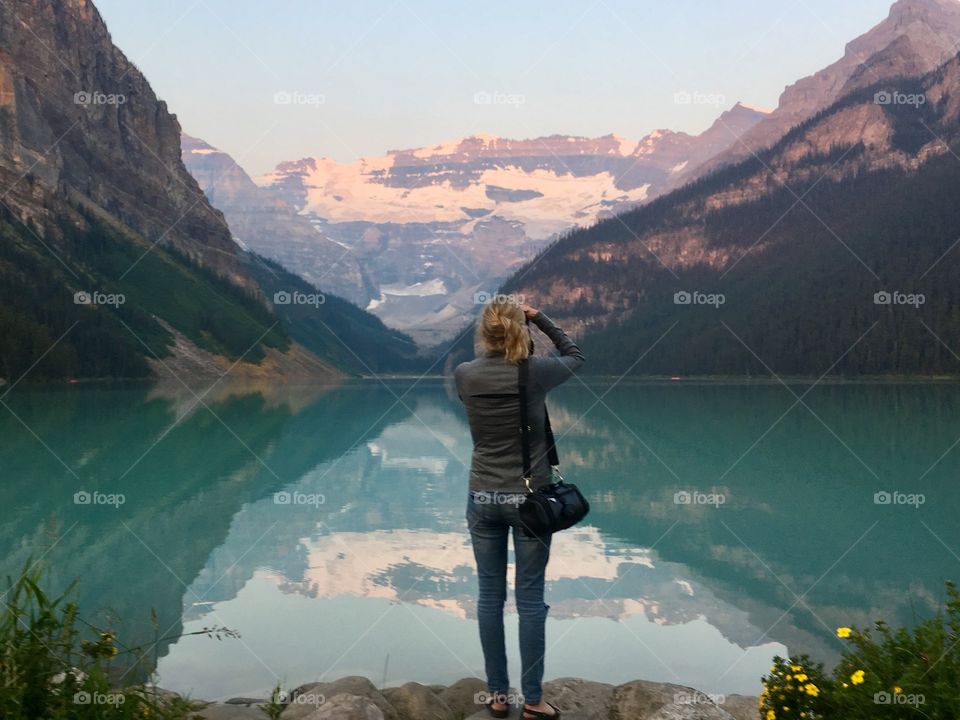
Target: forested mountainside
[(831, 251)]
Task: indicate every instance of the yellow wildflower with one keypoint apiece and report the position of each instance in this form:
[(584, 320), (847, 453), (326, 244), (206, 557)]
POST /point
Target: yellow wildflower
[(811, 689), (897, 690), (857, 677), (801, 677), (771, 715), (843, 632)]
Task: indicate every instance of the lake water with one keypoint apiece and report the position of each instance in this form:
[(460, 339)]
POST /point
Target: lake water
[(729, 523)]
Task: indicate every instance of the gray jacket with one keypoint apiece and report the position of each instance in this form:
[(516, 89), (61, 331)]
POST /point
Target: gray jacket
[(489, 391)]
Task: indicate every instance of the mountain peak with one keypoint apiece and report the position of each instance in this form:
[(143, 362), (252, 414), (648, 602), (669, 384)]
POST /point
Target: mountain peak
[(742, 106), (908, 10)]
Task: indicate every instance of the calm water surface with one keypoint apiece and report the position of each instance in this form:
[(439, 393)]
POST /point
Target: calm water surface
[(730, 523)]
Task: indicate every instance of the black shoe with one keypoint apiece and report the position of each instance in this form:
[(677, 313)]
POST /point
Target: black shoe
[(497, 713), (535, 714)]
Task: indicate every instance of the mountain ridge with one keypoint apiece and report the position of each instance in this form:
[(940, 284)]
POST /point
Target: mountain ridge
[(434, 227), (916, 37), (848, 207)]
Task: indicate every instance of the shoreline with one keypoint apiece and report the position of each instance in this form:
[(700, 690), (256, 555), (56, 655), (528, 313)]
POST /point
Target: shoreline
[(307, 381), (357, 698)]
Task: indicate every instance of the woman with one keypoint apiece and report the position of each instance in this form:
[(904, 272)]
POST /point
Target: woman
[(488, 387)]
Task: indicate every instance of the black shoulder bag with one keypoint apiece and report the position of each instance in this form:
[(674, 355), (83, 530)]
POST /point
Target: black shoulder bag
[(555, 506)]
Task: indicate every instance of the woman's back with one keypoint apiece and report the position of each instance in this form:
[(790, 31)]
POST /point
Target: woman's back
[(488, 387)]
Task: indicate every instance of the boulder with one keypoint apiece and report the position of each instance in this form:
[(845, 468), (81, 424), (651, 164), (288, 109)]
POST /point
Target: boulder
[(223, 711), (644, 700), (345, 706), (691, 711), (461, 696), (414, 701), (249, 702), (312, 697), (742, 707), (589, 700)]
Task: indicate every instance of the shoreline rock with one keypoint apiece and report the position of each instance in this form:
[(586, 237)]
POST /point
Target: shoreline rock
[(357, 698)]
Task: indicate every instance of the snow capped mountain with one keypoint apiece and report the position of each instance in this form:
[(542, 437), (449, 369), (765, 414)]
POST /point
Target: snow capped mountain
[(433, 228)]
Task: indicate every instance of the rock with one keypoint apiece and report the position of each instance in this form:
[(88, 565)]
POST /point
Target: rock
[(643, 700), (589, 700), (461, 696), (741, 707), (691, 711), (414, 701), (345, 706), (162, 696), (313, 697), (249, 702), (222, 711)]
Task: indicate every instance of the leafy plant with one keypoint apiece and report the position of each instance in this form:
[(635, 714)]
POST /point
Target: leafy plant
[(883, 674), (54, 665)]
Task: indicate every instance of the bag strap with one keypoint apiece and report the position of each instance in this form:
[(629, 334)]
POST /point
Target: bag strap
[(523, 377)]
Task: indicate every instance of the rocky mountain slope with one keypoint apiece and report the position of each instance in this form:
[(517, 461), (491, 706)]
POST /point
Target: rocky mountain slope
[(82, 125), (432, 227), (916, 37), (267, 225), (112, 260)]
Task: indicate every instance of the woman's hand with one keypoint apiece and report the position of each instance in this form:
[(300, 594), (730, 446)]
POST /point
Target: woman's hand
[(530, 312)]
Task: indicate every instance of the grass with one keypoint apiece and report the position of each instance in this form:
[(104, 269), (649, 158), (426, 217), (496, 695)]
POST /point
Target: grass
[(56, 666)]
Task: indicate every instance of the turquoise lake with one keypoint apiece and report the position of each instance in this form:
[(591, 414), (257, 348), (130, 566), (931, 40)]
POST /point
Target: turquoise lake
[(730, 523)]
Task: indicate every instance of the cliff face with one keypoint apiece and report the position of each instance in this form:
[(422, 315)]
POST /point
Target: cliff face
[(270, 226), (80, 124)]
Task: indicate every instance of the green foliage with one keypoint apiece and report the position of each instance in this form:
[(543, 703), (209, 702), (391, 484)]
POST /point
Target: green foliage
[(47, 669), (336, 330), (275, 707), (38, 279), (883, 674), (796, 688)]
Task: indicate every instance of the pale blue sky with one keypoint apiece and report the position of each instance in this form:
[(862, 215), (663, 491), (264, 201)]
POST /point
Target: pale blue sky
[(388, 74)]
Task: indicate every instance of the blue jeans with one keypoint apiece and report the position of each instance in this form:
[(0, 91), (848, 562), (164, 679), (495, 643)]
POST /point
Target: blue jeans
[(490, 517)]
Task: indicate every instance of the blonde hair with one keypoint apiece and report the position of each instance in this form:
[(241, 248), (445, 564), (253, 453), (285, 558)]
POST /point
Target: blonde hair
[(503, 329)]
